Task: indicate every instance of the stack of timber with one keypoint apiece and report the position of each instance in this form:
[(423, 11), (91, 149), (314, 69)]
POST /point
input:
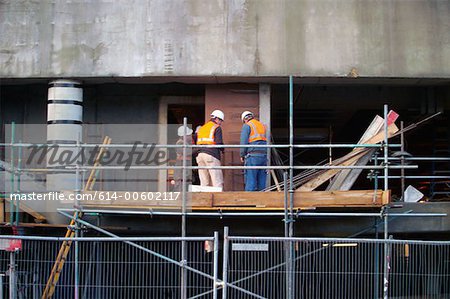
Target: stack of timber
[(343, 179)]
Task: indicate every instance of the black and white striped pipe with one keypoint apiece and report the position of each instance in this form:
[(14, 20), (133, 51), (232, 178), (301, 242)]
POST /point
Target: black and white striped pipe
[(64, 126)]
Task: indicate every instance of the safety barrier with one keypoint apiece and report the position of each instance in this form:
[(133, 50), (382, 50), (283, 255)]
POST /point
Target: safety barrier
[(110, 268), (253, 267), (336, 268)]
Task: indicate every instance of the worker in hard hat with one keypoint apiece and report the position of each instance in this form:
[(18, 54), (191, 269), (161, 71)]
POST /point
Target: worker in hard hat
[(178, 173), (210, 134), (254, 133)]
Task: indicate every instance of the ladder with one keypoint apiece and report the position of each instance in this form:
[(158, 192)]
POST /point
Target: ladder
[(65, 247)]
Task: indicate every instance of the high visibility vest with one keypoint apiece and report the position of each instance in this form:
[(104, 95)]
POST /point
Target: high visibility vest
[(205, 134), (257, 131)]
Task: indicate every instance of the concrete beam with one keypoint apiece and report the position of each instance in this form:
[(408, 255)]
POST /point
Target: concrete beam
[(159, 38)]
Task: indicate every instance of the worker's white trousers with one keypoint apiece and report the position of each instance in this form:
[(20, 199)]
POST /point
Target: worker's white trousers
[(208, 176)]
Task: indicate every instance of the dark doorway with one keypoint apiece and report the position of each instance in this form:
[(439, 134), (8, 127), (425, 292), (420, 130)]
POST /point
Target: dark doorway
[(195, 114)]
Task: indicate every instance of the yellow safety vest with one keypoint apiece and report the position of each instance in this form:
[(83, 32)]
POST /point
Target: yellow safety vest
[(205, 134), (257, 131)]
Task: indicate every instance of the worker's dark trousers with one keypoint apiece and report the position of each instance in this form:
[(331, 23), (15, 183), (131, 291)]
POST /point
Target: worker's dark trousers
[(255, 179)]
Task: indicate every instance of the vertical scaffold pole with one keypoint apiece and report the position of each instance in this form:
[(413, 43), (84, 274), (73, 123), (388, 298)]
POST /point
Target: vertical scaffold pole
[(76, 261), (385, 214), (225, 262), (291, 154), (402, 149), (286, 227), (386, 149), (216, 264), (19, 166), (286, 204), (183, 216), (12, 276), (12, 177), (291, 186)]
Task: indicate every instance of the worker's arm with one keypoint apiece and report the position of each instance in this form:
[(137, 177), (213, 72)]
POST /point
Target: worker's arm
[(218, 137), (245, 133), (194, 149)]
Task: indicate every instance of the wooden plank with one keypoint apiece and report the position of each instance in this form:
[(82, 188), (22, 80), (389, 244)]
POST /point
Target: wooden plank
[(359, 152), (353, 174), (119, 198), (345, 179), (49, 225), (24, 208), (2, 210), (319, 180), (386, 197), (274, 177), (372, 129), (256, 200)]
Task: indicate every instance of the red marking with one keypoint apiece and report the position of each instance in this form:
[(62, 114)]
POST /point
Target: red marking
[(392, 117)]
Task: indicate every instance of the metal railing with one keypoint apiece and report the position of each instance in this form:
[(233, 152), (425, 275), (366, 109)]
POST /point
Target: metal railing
[(336, 268), (112, 267), (253, 267)]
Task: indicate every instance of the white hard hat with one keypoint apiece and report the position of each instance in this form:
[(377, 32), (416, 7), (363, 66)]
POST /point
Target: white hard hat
[(245, 114), (218, 114), (181, 131)]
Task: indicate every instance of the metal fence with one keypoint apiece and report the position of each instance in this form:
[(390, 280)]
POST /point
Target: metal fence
[(112, 268), (253, 267), (336, 268)]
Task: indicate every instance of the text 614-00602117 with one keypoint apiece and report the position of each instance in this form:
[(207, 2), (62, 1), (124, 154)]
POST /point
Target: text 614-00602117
[(157, 196)]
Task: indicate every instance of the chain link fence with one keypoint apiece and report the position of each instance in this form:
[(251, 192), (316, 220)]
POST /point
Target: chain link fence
[(111, 268), (253, 267), (337, 268)]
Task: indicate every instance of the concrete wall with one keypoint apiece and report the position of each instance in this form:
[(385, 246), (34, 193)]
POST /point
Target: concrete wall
[(326, 38)]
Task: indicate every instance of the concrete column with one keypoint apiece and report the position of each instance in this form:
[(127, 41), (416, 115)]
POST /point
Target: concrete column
[(264, 116), (64, 126)]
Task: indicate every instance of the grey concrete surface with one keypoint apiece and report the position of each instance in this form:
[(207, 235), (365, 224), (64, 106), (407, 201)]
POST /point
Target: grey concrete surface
[(325, 38)]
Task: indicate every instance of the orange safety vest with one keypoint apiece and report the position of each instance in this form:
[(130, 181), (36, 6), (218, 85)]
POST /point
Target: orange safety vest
[(257, 131), (205, 134)]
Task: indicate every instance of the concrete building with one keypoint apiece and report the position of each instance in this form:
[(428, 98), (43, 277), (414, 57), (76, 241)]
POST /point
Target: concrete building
[(157, 61)]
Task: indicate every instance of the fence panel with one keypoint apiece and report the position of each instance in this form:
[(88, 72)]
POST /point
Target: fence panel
[(110, 269), (337, 268)]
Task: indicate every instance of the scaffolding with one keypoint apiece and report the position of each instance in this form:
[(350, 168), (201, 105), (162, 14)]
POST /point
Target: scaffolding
[(289, 214)]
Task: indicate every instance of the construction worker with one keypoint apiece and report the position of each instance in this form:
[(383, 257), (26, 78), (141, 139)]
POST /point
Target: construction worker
[(253, 132), (209, 134)]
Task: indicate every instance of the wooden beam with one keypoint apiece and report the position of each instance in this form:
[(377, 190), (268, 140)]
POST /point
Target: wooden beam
[(319, 180), (24, 208), (49, 225), (2, 210), (254, 200), (372, 130), (346, 161), (345, 179)]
